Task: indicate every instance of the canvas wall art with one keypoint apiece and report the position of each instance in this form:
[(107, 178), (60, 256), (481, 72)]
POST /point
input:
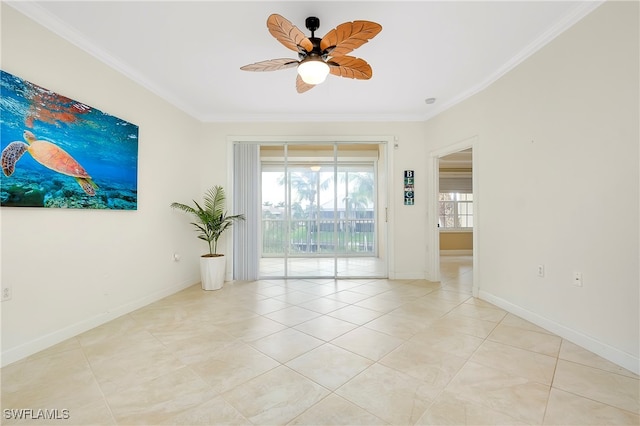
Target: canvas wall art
[(60, 153)]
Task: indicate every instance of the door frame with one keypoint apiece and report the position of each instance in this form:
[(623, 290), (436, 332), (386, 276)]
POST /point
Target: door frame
[(386, 210), (433, 188)]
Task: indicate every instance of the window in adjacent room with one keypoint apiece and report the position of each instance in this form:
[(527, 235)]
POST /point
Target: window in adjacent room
[(456, 210)]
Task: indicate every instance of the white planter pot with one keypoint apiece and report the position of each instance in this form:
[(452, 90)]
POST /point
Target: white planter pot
[(212, 271)]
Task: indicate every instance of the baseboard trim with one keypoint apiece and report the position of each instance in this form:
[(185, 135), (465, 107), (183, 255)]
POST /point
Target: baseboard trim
[(406, 276), (26, 349), (604, 350), (456, 252)]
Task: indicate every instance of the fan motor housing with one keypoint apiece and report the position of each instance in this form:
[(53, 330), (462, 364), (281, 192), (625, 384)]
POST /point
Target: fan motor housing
[(312, 23)]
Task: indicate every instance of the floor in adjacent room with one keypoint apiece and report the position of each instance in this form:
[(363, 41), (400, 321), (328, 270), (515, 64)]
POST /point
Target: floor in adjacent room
[(320, 352)]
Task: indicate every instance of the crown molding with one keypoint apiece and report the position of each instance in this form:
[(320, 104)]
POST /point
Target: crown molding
[(582, 10), (58, 27), (44, 18)]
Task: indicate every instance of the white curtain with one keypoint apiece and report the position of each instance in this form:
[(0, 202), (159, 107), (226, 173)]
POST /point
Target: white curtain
[(246, 200)]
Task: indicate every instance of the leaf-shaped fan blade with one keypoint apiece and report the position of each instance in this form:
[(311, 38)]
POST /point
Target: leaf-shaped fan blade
[(349, 36), (288, 34), (271, 65), (301, 86), (350, 67)]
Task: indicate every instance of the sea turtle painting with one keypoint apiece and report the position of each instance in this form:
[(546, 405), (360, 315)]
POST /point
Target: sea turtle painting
[(50, 156), (50, 144)]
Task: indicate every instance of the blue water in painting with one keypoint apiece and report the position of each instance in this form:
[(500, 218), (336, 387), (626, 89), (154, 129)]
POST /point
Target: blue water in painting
[(104, 145)]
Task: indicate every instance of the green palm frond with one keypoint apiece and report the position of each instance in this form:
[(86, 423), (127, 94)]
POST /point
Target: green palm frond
[(212, 220)]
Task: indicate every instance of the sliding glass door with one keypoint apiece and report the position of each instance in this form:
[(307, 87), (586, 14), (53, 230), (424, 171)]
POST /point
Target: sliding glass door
[(320, 207)]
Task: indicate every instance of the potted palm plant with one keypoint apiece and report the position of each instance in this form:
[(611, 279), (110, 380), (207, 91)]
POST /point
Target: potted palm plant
[(211, 220)]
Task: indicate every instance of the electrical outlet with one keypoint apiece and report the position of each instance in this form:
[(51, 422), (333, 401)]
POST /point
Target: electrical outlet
[(541, 270), (577, 279), (6, 293)]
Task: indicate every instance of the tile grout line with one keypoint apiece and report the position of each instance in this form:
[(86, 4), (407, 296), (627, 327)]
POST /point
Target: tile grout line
[(93, 374)]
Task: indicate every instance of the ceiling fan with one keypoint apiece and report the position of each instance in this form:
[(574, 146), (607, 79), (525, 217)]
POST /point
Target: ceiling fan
[(319, 57)]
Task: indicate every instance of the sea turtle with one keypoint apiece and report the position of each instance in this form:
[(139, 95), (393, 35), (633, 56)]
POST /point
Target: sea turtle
[(49, 155)]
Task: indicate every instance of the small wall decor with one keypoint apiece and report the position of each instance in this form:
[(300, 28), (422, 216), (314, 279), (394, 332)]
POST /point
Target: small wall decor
[(57, 152), (408, 188)]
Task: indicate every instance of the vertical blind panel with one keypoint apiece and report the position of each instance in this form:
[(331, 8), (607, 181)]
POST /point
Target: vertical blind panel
[(246, 200)]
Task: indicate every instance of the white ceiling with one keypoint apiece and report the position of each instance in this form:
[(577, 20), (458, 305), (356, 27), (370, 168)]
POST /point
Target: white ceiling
[(190, 52)]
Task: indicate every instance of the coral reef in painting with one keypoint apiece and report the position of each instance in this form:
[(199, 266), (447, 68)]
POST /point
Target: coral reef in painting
[(62, 192)]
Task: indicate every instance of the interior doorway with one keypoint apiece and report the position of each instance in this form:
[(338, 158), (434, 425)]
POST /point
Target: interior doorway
[(455, 220), (453, 215)]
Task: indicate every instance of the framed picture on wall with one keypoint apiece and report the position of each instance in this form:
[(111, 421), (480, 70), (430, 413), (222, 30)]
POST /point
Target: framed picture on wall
[(60, 153), (409, 191)]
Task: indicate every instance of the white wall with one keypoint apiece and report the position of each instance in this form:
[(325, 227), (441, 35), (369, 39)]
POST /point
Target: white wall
[(557, 160), (407, 248), (71, 270), (557, 146)]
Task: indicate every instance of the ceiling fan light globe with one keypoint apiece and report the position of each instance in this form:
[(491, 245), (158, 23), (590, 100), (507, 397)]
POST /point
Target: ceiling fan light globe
[(313, 71)]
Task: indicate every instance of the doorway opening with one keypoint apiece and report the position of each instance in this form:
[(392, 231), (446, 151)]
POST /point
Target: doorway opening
[(454, 217)]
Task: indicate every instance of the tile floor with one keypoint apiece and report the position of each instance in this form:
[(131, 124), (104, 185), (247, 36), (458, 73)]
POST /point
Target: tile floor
[(305, 267), (321, 352)]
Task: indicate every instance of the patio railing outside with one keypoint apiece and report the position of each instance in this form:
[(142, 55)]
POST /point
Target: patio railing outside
[(354, 237)]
